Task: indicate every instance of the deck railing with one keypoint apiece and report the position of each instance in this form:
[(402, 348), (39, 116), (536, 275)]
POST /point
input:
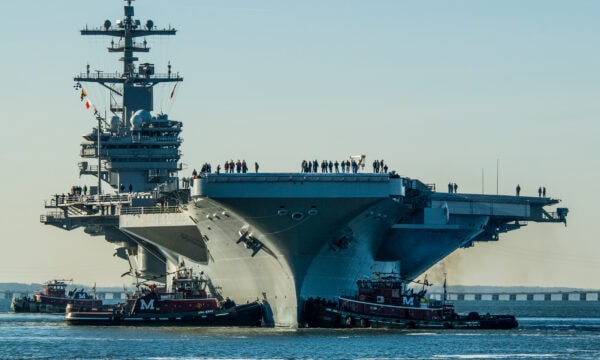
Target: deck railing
[(150, 210)]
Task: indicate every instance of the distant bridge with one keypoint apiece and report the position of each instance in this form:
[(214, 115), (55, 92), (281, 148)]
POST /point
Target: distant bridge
[(582, 295), (589, 295)]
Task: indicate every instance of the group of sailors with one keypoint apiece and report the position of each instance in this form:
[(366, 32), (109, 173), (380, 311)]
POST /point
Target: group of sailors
[(74, 194), (80, 194), (452, 188), (541, 191), (122, 188), (230, 167), (77, 190), (347, 166), (238, 166), (344, 166), (206, 168), (379, 167)]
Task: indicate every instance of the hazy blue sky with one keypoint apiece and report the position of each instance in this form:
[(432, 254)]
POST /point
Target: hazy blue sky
[(441, 90)]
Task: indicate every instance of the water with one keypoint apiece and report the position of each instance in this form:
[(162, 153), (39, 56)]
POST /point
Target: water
[(35, 336)]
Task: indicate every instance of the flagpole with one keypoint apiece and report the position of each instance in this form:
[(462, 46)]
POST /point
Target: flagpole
[(497, 174)]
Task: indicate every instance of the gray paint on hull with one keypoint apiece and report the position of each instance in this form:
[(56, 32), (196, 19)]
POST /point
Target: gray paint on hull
[(185, 240), (418, 250), (309, 248), (418, 247)]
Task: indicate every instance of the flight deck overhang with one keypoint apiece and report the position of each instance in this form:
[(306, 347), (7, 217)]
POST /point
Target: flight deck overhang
[(174, 231), (518, 208), (294, 185)]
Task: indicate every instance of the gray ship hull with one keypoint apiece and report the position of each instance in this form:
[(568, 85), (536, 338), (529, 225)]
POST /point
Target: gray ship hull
[(296, 263), (282, 249), (282, 240)]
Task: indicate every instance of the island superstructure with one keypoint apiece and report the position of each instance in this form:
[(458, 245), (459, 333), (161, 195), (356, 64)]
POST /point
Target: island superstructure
[(277, 237)]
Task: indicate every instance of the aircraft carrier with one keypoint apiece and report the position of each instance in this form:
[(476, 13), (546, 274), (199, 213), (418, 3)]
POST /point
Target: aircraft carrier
[(278, 237)]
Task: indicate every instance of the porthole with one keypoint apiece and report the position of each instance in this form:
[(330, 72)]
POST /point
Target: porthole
[(282, 212), (297, 216)]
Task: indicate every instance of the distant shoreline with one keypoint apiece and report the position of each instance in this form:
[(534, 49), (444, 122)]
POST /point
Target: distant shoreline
[(33, 287), (460, 289)]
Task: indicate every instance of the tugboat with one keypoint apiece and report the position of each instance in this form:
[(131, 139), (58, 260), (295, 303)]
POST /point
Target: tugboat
[(188, 303), (53, 298), (387, 302)]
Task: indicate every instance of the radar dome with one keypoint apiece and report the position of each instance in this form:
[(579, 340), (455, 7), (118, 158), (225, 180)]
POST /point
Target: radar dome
[(115, 121), (139, 117)]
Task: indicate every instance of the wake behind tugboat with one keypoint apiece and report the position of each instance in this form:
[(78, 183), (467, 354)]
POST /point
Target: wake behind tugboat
[(187, 304), (387, 302)]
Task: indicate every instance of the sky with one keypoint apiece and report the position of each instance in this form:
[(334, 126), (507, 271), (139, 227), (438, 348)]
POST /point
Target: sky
[(487, 94)]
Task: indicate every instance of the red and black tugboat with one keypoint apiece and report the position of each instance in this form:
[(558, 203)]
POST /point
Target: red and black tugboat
[(188, 303), (387, 302), (53, 298)]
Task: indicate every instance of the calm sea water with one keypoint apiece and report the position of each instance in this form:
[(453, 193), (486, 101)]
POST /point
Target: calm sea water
[(35, 336)]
